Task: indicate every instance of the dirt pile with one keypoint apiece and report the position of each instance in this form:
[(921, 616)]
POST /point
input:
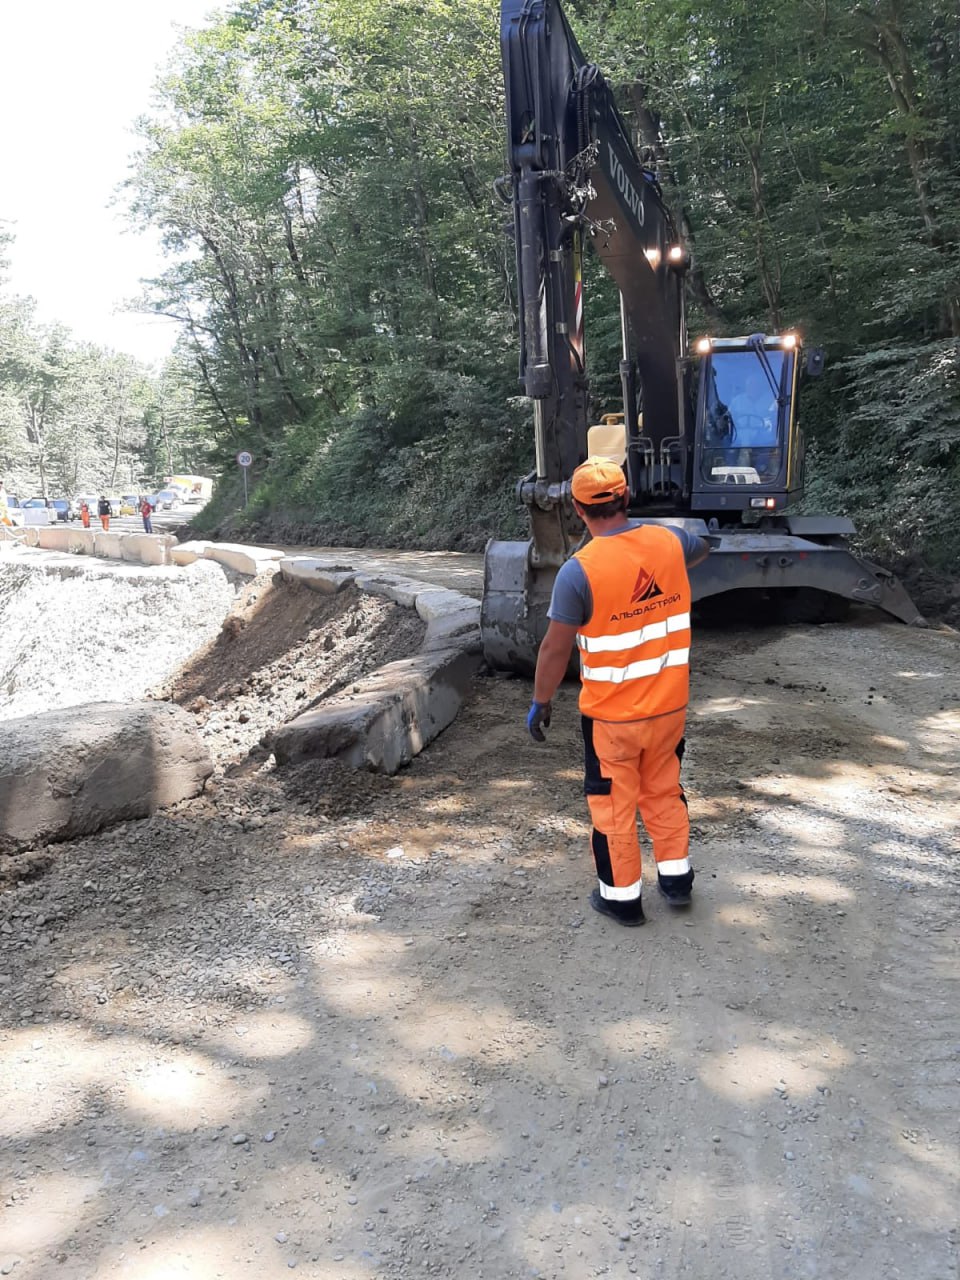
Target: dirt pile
[(935, 593), (283, 649)]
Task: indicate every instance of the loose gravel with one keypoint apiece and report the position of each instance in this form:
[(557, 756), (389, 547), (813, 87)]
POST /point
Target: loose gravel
[(75, 630), (368, 1028)]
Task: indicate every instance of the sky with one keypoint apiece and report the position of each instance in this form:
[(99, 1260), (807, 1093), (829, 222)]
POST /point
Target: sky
[(73, 78)]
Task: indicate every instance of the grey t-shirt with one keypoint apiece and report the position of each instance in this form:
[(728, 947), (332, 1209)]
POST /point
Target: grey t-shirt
[(572, 600)]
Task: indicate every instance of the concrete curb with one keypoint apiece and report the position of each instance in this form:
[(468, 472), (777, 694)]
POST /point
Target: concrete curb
[(316, 574), (142, 548), (400, 708)]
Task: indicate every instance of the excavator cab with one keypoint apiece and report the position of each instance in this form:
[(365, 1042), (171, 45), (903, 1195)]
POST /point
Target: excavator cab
[(748, 450)]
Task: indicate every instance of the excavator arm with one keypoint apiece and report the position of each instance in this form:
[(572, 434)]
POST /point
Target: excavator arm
[(574, 177)]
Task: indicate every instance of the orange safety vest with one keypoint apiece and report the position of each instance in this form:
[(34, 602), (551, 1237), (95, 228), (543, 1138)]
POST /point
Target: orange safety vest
[(635, 650)]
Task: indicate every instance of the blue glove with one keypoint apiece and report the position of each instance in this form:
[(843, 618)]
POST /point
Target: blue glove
[(538, 719)]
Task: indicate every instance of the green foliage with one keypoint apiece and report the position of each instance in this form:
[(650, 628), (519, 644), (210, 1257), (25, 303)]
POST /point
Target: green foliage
[(322, 174), (75, 417)]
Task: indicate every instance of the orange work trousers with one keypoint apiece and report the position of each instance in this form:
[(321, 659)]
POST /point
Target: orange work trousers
[(630, 766), (105, 521)]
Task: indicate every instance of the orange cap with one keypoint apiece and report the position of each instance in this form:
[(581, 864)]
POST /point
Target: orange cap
[(597, 480)]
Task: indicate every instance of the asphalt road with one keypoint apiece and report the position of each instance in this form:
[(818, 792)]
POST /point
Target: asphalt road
[(162, 520)]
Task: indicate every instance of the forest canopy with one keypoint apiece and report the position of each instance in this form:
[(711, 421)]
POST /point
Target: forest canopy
[(323, 176), (77, 417)]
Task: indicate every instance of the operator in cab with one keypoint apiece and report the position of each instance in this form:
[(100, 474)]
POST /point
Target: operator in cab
[(755, 415), (624, 599)]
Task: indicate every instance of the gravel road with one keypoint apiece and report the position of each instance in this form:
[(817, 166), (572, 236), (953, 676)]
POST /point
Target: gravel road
[(362, 1027)]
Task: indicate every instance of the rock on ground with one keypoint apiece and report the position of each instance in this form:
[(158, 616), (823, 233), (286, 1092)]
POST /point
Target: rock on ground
[(70, 772)]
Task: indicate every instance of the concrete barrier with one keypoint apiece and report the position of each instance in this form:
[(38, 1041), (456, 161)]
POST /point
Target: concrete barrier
[(319, 575), (148, 548), (395, 712), (71, 772), (81, 542), (392, 586), (188, 552), (54, 537), (243, 559), (109, 545)]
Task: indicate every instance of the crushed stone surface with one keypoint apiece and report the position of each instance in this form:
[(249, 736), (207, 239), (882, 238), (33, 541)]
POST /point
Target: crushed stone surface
[(75, 630), (367, 1028)]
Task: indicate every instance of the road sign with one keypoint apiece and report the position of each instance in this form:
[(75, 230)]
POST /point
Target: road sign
[(245, 459)]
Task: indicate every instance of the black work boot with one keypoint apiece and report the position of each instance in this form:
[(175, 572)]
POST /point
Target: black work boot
[(629, 914), (678, 890)]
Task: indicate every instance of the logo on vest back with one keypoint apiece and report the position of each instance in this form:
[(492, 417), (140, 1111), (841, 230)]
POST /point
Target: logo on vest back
[(646, 587)]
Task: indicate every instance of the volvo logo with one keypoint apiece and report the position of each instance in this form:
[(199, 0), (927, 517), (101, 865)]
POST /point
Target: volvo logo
[(631, 196)]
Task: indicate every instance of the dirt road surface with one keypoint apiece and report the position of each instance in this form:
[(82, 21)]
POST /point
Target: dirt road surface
[(359, 1027)]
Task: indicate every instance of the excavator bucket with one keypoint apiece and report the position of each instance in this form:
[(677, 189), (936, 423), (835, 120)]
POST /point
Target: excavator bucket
[(513, 613)]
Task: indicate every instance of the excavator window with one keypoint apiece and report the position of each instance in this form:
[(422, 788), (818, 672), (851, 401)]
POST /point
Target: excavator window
[(743, 417)]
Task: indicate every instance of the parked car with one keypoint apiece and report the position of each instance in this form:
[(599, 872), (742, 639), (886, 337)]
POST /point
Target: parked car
[(167, 500), (63, 508), (40, 504), (129, 504)]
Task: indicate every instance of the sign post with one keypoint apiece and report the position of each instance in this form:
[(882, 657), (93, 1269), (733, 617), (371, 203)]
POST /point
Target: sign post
[(244, 459)]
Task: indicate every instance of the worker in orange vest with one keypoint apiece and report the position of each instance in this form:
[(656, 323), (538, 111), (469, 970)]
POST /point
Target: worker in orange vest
[(625, 599)]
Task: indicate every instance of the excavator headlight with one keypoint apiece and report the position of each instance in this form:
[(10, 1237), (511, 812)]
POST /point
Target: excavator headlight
[(789, 341), (704, 346), (763, 504), (678, 257)]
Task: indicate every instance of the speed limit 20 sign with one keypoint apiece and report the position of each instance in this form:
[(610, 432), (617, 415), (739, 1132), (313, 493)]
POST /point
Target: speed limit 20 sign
[(244, 458)]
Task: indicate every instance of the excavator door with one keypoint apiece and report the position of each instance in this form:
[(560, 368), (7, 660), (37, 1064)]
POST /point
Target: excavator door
[(748, 451)]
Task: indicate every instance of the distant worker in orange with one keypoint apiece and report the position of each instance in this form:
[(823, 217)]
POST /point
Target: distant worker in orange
[(85, 515), (625, 599), (103, 511)]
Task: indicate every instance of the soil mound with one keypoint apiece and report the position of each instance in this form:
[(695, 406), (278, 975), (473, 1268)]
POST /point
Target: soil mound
[(282, 649)]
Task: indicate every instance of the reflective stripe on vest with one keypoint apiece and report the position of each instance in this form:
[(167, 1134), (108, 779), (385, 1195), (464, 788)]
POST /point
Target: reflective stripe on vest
[(637, 670), (653, 631), (635, 649)]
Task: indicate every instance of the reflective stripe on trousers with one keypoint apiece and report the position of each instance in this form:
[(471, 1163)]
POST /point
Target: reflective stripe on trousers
[(631, 766)]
